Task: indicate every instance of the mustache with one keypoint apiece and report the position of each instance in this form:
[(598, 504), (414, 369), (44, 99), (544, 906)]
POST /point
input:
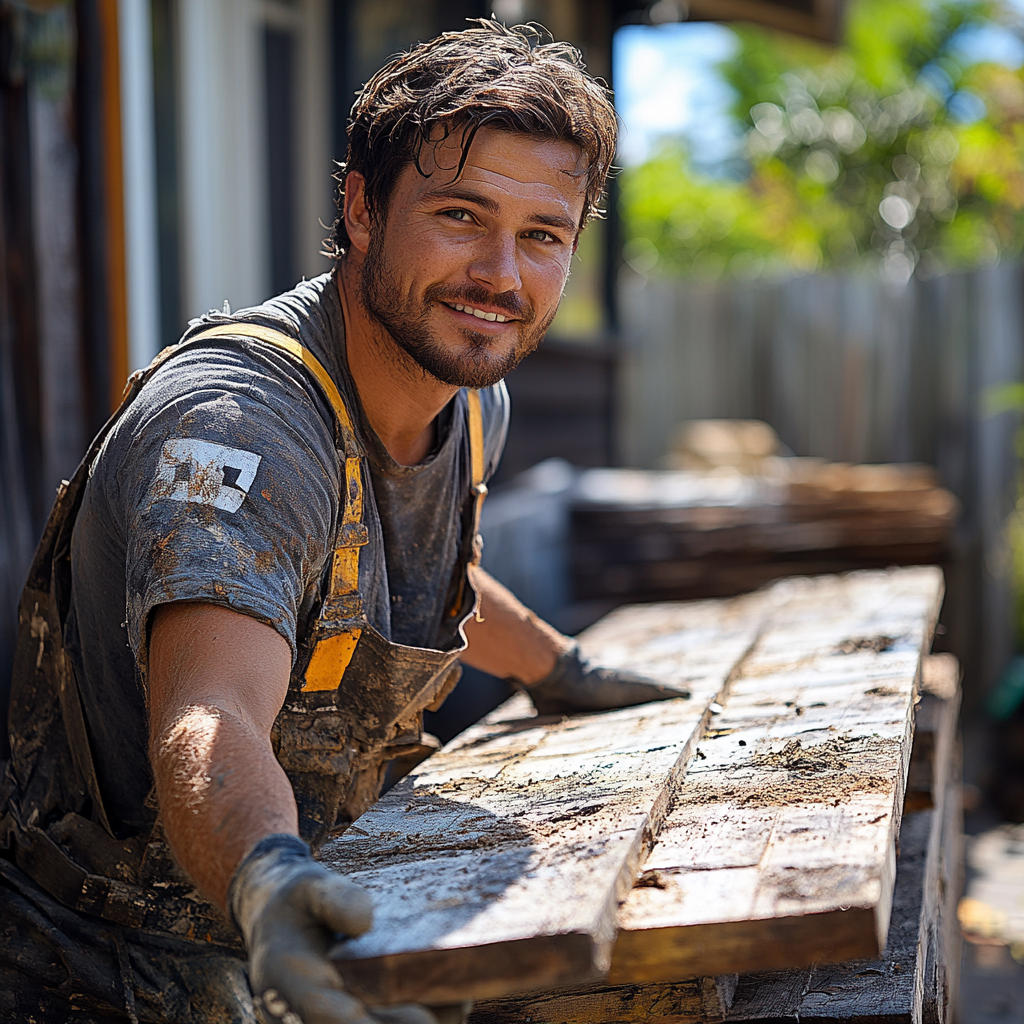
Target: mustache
[(507, 302)]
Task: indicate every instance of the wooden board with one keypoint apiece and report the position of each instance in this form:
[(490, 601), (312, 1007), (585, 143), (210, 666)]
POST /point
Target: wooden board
[(499, 864), (780, 850), (936, 759)]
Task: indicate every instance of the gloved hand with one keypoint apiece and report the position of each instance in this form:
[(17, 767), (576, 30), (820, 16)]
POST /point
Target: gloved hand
[(289, 910), (574, 684)]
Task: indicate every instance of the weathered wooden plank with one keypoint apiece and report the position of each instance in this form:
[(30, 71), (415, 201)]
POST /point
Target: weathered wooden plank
[(498, 865), (942, 939), (780, 850)]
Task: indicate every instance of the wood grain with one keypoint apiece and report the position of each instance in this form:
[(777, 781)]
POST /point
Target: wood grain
[(499, 864), (780, 850)]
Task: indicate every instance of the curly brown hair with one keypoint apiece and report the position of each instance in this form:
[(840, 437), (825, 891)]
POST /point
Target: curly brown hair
[(515, 79)]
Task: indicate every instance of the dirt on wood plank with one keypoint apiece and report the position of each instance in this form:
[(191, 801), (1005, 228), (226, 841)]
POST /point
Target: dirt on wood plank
[(821, 774), (875, 644)]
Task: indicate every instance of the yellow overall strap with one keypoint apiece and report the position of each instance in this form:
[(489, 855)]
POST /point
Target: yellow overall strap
[(478, 491), (476, 456), (332, 654)]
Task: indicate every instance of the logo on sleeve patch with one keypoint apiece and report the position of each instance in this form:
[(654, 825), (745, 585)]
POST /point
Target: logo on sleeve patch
[(205, 473)]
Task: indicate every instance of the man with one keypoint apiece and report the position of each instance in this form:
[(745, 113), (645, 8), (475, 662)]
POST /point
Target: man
[(266, 568)]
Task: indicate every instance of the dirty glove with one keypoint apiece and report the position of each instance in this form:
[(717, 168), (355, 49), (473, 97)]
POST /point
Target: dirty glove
[(574, 684), (289, 910)]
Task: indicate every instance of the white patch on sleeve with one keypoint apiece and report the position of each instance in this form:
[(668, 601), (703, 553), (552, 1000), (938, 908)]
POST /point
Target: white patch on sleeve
[(205, 473)]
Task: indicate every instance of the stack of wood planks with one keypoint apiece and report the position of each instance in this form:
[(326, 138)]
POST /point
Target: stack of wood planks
[(751, 826), (651, 535)]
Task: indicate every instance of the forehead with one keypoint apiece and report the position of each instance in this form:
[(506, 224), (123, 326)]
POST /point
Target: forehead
[(501, 164)]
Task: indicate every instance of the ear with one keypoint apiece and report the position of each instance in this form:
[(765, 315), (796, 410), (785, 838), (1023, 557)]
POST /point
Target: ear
[(357, 216)]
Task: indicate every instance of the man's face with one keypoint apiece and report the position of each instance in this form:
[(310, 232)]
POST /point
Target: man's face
[(467, 272)]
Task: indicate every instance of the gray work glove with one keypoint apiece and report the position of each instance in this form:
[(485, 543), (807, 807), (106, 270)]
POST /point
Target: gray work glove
[(290, 910), (574, 684)]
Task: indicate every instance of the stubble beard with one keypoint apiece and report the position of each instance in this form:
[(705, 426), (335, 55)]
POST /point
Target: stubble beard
[(407, 324)]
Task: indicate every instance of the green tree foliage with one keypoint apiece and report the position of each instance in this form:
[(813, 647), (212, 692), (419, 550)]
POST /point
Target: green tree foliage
[(893, 149)]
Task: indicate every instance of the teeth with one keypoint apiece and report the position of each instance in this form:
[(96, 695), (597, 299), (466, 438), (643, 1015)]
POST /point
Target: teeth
[(480, 314)]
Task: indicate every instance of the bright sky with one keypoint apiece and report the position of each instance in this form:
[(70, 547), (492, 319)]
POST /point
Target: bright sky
[(666, 83), (993, 43)]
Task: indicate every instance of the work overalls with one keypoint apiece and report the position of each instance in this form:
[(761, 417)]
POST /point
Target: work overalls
[(355, 701)]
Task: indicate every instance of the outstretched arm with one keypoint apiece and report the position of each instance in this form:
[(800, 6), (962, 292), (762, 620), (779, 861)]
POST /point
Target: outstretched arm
[(217, 680)]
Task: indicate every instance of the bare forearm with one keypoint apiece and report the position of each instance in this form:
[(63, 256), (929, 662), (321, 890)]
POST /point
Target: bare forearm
[(220, 790), (216, 682), (511, 641)]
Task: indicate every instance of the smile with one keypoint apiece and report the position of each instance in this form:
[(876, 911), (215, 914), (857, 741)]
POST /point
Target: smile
[(478, 313)]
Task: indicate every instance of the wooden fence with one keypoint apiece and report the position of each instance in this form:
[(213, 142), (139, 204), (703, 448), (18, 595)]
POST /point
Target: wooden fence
[(851, 369)]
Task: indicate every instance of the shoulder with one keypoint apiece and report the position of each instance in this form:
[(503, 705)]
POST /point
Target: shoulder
[(234, 384), (229, 399), (223, 477), (250, 372)]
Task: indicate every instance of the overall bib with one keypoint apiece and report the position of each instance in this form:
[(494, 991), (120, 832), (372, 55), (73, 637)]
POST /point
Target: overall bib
[(355, 701)]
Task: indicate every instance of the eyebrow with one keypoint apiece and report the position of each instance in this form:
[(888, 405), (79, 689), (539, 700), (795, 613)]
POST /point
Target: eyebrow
[(468, 195)]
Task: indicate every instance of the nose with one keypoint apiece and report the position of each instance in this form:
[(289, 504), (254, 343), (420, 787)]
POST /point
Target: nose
[(497, 266)]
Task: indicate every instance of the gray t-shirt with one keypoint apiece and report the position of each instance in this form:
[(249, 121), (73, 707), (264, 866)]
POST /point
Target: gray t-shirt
[(221, 483)]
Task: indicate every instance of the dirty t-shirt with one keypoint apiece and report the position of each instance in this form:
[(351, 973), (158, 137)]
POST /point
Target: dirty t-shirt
[(257, 535)]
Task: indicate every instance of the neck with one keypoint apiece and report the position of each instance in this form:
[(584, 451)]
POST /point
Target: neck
[(400, 399)]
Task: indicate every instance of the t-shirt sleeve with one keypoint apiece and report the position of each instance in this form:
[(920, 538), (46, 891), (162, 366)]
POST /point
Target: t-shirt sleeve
[(227, 480), (494, 410)]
